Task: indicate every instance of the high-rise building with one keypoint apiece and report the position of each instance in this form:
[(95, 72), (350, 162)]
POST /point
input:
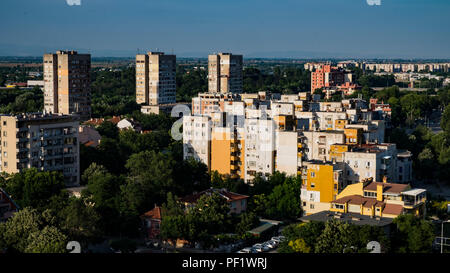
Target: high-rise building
[(328, 76), (47, 142), (225, 73), (155, 78), (67, 83)]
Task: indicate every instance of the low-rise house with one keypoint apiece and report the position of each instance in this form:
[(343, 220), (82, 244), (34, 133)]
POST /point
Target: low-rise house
[(129, 124), (88, 136), (152, 221), (380, 199), (7, 206), (237, 202)]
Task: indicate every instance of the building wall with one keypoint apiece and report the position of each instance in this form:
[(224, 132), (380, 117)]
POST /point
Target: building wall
[(155, 78), (197, 138), (44, 143), (286, 159), (67, 83), (225, 73)]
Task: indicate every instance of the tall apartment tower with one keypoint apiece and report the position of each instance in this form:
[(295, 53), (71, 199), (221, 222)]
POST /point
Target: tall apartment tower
[(225, 73), (155, 78), (47, 142), (67, 85)]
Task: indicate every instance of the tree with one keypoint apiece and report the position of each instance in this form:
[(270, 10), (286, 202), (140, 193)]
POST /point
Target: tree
[(33, 188), (308, 232), (47, 240), (284, 201), (80, 221), (15, 231), (445, 122), (299, 246), (412, 234), (248, 220), (108, 129), (335, 238)]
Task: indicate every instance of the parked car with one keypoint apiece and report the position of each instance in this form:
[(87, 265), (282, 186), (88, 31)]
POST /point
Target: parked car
[(246, 250), (271, 244), (261, 247), (278, 239)]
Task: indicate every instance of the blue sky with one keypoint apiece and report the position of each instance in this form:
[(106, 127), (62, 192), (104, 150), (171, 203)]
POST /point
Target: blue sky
[(255, 28)]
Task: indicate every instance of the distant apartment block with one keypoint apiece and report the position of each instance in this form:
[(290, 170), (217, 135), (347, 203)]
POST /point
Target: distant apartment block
[(67, 83), (225, 73), (155, 79), (46, 142), (329, 76)]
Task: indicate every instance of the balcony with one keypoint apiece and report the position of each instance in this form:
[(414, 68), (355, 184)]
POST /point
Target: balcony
[(414, 197)]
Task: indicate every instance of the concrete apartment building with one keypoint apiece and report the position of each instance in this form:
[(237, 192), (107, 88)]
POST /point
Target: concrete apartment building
[(227, 149), (197, 138), (259, 148), (67, 84), (322, 181), (328, 76), (46, 142), (155, 79), (225, 73)]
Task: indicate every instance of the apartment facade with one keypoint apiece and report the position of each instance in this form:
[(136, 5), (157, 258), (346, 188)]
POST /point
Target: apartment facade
[(322, 181), (225, 73), (46, 142), (67, 83), (155, 78)]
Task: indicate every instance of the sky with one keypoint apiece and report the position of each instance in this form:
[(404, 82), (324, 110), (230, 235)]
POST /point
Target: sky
[(255, 28)]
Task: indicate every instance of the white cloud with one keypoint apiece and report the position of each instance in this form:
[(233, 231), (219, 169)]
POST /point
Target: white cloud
[(73, 2)]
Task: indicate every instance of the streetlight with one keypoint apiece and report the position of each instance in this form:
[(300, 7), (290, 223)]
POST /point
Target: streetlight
[(442, 235)]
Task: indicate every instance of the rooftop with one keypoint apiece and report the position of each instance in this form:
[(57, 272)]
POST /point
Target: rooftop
[(352, 218), (387, 187)]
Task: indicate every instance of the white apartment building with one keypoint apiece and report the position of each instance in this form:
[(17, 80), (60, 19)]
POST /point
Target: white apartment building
[(197, 138), (259, 148)]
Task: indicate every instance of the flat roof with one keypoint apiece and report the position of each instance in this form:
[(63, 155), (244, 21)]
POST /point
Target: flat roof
[(352, 218), (414, 191)]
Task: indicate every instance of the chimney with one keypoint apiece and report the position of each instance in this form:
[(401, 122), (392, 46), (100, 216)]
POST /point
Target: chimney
[(380, 192)]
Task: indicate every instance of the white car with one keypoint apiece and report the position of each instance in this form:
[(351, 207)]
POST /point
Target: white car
[(261, 247), (271, 244), (246, 250)]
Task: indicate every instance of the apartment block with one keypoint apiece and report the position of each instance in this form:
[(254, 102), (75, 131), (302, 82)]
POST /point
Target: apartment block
[(225, 73), (197, 138), (328, 76), (67, 87), (288, 157), (259, 148), (155, 79), (322, 181), (227, 148), (317, 144), (46, 142), (371, 161)]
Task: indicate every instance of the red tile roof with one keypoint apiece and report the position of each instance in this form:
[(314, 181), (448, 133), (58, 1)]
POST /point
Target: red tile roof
[(393, 209), (153, 214), (359, 200), (387, 187)]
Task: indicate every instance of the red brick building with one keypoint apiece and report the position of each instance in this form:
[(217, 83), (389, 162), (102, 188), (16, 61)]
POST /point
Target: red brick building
[(327, 76)]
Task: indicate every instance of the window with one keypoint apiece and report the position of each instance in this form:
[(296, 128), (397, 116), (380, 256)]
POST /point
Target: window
[(311, 206), (313, 174)]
